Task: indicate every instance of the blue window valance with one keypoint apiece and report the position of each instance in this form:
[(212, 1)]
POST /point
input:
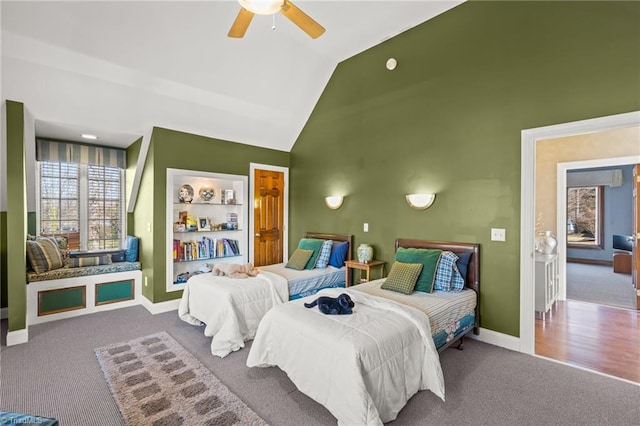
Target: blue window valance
[(67, 152)]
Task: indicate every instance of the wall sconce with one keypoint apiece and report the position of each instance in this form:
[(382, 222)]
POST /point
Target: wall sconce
[(334, 202), (420, 201)]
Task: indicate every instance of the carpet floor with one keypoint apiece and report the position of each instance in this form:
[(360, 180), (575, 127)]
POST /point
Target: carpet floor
[(599, 284), (56, 375)]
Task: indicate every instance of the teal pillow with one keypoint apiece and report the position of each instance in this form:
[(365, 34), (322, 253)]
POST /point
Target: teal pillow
[(429, 259), (314, 244)]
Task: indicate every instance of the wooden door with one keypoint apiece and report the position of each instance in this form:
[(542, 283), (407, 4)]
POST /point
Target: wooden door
[(268, 214), (635, 259)]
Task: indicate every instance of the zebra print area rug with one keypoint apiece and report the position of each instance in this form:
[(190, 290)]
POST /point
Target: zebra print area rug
[(155, 381)]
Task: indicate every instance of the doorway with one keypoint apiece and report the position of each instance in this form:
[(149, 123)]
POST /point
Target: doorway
[(269, 214), (530, 138)]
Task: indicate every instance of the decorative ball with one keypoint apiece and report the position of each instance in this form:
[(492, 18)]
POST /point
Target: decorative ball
[(207, 193)]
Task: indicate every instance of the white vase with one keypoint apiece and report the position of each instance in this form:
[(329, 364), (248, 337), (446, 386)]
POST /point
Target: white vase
[(547, 243), (365, 253)]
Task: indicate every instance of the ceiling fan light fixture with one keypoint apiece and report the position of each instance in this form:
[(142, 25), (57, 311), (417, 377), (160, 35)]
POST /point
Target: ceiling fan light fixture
[(262, 7)]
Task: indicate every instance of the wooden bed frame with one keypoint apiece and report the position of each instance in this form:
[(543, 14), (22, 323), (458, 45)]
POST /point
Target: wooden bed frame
[(334, 237), (472, 280)]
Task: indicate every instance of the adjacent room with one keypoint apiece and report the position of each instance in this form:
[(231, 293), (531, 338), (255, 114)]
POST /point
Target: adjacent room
[(319, 212)]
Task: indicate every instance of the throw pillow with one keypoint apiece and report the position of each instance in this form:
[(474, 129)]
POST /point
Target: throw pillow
[(325, 254), (402, 277), (314, 244), (76, 262), (338, 253), (444, 272), (44, 255), (463, 264), (299, 259), (131, 248), (429, 259)]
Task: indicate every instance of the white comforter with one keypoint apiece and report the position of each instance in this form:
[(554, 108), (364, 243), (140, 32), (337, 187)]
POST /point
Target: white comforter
[(231, 308), (362, 367)]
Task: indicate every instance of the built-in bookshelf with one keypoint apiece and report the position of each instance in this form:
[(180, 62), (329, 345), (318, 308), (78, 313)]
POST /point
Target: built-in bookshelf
[(206, 223)]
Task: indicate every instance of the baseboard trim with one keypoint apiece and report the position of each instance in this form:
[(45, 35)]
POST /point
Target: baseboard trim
[(160, 307), (590, 261), (17, 337), (497, 339), (4, 313)]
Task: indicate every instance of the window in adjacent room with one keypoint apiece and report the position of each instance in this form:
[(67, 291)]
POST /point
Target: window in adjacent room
[(81, 194), (585, 209)]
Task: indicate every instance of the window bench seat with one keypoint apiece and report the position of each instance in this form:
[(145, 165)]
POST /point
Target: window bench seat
[(69, 292)]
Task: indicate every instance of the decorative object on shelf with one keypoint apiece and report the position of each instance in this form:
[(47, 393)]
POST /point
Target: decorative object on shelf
[(420, 201), (365, 253), (546, 244), (192, 223), (207, 193), (334, 202), (186, 194), (204, 224), (229, 196), (179, 227)]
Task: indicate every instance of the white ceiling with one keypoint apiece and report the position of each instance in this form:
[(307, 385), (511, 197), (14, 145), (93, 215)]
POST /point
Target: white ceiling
[(116, 69)]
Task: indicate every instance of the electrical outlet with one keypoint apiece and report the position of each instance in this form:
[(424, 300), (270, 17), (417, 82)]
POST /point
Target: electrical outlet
[(498, 234), (365, 228)]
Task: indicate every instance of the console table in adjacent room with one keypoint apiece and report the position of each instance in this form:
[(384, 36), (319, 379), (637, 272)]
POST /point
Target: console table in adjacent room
[(547, 282)]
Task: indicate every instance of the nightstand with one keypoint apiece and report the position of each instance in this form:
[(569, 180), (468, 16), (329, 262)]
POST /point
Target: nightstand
[(354, 264)]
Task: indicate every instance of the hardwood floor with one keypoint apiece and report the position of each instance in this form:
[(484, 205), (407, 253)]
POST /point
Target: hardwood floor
[(596, 337)]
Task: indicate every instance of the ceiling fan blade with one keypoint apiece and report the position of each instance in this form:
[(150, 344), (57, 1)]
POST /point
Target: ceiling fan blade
[(241, 23), (302, 20)]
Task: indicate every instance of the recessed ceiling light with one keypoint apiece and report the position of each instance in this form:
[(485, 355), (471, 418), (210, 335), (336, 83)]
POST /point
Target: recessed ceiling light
[(88, 136)]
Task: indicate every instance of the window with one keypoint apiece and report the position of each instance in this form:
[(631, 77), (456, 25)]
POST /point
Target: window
[(585, 217), (81, 200)]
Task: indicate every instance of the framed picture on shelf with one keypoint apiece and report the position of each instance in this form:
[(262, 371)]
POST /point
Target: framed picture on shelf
[(204, 224)]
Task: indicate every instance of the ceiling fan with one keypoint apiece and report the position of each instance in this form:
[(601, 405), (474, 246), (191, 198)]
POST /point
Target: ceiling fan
[(270, 7)]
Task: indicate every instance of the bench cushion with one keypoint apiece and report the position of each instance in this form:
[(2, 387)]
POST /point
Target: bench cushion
[(83, 271)]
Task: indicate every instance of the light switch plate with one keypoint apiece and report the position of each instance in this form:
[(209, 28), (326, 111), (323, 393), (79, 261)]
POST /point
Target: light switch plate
[(498, 234), (365, 228)]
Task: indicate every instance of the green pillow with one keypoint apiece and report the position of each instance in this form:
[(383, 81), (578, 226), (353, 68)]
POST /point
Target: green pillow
[(429, 259), (299, 259), (402, 277), (314, 244)]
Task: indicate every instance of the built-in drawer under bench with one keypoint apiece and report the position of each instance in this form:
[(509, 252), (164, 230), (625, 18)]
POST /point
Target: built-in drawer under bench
[(54, 299)]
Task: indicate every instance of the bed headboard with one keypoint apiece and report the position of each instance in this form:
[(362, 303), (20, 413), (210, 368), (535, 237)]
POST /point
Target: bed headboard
[(334, 237), (472, 279)]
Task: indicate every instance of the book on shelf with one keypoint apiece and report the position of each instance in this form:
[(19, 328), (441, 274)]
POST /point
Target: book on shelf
[(205, 248)]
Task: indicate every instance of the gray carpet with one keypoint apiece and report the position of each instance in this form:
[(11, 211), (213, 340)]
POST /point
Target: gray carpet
[(599, 284), (56, 374)]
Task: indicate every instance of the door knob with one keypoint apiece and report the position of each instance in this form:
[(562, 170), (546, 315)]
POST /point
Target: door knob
[(257, 235)]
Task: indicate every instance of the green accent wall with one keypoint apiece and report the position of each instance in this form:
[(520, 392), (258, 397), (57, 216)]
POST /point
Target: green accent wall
[(449, 119), (16, 227), (3, 259), (178, 150)]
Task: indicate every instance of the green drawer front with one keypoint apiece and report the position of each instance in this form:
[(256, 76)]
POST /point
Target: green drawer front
[(112, 292), (61, 300)]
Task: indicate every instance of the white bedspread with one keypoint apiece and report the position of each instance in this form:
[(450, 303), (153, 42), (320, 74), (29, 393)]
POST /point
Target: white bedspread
[(231, 308), (362, 367)]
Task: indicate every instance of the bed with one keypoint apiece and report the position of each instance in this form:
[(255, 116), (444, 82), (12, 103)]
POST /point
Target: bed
[(231, 308), (364, 367)]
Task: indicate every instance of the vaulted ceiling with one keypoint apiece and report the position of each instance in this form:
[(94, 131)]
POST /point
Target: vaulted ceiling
[(116, 69)]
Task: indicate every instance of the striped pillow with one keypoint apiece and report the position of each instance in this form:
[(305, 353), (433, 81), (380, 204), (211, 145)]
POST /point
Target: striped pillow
[(402, 277), (325, 254), (76, 262), (44, 255)]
